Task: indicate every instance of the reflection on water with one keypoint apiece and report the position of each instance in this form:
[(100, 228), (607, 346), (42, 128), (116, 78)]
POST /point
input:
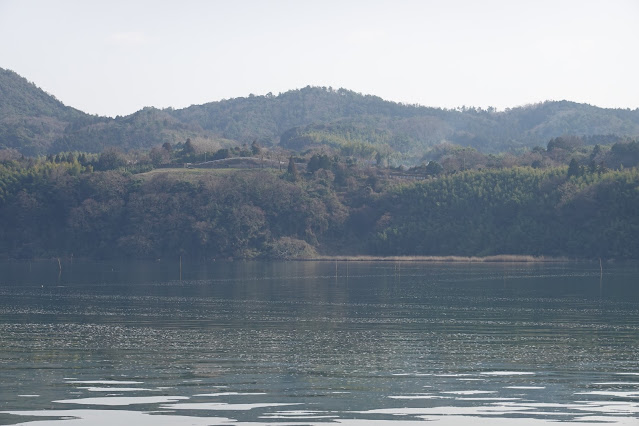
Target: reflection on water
[(318, 342)]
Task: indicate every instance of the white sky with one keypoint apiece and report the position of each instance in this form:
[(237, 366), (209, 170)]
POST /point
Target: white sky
[(115, 57)]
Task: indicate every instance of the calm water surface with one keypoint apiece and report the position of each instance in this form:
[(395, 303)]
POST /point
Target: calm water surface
[(317, 343)]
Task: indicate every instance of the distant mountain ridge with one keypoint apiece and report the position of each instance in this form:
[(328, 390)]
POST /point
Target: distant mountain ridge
[(34, 122)]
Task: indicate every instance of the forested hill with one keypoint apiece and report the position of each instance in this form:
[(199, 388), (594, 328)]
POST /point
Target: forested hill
[(30, 118), (34, 122), (318, 116)]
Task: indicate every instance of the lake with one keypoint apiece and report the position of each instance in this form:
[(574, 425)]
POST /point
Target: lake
[(307, 343)]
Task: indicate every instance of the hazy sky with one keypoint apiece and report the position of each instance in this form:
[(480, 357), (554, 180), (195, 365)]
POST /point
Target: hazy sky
[(115, 57)]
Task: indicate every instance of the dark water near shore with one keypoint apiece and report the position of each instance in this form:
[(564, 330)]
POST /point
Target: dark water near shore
[(318, 342)]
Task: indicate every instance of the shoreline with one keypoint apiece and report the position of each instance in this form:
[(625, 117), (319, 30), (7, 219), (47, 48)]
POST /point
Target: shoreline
[(505, 258)]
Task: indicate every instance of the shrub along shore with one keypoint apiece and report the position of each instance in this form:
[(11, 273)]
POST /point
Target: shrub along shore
[(505, 258)]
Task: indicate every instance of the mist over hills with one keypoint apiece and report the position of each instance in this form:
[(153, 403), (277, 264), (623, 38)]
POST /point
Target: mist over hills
[(35, 123)]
